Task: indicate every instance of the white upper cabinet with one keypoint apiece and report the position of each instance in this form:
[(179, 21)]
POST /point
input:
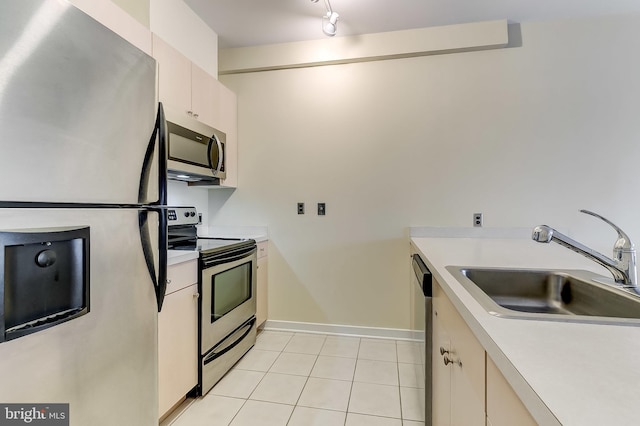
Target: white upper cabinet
[(185, 86), (205, 97), (228, 111), (174, 75)]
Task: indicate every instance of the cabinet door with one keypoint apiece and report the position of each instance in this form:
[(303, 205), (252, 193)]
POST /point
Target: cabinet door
[(465, 368), (262, 302), (204, 97), (441, 385), (504, 408), (467, 407), (177, 347), (228, 104), (174, 76)]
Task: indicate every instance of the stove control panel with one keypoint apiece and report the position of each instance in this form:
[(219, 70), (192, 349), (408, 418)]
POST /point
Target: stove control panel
[(182, 216)]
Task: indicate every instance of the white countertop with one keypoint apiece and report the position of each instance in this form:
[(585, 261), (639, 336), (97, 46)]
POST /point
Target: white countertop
[(178, 256), (565, 373), (258, 233), (253, 236)]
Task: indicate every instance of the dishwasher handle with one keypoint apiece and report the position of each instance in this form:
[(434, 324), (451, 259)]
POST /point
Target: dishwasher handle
[(423, 275)]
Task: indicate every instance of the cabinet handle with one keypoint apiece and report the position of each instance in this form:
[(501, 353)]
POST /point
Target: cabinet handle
[(443, 351), (168, 281), (195, 115), (190, 113), (196, 295), (448, 361)]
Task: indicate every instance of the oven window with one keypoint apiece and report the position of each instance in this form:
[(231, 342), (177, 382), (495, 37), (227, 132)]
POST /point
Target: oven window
[(230, 289)]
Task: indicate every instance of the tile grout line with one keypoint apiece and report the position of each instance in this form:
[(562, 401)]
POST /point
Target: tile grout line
[(258, 384), (306, 381), (308, 376), (353, 380), (399, 393)]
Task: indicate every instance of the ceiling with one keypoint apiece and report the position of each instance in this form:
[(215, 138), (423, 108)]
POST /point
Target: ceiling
[(241, 23)]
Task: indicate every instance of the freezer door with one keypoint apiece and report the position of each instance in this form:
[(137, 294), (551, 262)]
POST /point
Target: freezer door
[(77, 107), (103, 363)]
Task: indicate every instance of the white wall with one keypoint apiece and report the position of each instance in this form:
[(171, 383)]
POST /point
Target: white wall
[(526, 135), (180, 194), (179, 26), (139, 9)]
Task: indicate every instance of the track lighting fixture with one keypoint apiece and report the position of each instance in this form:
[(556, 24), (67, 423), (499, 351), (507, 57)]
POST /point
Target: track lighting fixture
[(330, 20)]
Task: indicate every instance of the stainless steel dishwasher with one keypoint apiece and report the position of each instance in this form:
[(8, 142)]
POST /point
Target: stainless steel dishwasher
[(421, 324)]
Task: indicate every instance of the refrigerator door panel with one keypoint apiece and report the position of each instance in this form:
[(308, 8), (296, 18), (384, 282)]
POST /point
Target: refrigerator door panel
[(77, 107), (103, 363)]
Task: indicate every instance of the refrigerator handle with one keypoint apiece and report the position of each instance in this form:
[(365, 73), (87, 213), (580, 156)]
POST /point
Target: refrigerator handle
[(160, 133), (158, 279), (163, 246)]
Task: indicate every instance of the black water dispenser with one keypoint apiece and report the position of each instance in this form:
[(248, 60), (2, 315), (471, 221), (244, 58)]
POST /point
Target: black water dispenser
[(44, 277)]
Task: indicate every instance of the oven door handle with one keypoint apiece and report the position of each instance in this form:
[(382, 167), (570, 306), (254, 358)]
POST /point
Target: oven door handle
[(231, 257), (220, 349)]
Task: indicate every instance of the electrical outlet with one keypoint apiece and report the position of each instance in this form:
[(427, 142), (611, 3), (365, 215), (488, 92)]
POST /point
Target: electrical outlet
[(300, 208), (322, 209), (477, 220)]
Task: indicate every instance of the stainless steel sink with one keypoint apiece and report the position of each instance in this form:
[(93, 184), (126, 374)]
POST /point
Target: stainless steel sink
[(558, 295)]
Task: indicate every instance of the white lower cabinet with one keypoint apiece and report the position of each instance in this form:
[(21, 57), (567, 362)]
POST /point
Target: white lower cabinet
[(468, 388), (178, 336), (262, 305), (458, 368), (504, 408)]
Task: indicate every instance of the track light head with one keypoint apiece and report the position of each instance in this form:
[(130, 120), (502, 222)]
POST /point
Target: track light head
[(330, 20), (330, 27)]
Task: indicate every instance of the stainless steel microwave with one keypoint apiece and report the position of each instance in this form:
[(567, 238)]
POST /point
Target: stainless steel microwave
[(196, 152)]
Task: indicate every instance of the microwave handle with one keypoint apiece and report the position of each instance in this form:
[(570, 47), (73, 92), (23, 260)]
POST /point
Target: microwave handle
[(220, 155), (216, 167)]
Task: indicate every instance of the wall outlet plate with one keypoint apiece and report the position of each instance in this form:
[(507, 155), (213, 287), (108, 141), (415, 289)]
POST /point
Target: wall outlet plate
[(322, 209), (300, 208), (477, 220)]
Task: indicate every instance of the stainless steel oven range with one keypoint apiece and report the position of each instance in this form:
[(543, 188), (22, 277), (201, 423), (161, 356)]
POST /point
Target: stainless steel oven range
[(227, 287)]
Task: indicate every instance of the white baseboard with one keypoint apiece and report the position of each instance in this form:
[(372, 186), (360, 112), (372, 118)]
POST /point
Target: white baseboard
[(340, 330)]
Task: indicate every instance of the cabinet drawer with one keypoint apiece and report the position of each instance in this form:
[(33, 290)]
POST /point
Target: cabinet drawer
[(263, 249), (181, 275)]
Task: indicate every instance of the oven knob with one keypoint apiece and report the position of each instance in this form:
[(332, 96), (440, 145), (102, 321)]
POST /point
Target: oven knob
[(193, 214), (186, 214)]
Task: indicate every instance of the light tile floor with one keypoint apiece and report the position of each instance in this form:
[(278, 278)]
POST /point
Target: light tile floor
[(297, 379)]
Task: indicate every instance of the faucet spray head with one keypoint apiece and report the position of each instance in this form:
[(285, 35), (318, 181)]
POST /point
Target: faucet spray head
[(542, 234)]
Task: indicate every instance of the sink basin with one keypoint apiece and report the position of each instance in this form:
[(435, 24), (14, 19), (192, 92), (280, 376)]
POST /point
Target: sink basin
[(558, 295)]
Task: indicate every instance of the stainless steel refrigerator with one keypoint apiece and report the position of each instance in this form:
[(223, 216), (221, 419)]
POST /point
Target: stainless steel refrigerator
[(82, 223)]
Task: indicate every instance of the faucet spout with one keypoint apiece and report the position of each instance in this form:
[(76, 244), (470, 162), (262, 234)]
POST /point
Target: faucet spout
[(622, 266), (546, 234)]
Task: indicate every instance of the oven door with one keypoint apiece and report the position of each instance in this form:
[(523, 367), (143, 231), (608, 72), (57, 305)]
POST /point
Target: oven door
[(228, 289)]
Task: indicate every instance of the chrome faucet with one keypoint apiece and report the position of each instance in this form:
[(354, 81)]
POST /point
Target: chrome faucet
[(623, 264)]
